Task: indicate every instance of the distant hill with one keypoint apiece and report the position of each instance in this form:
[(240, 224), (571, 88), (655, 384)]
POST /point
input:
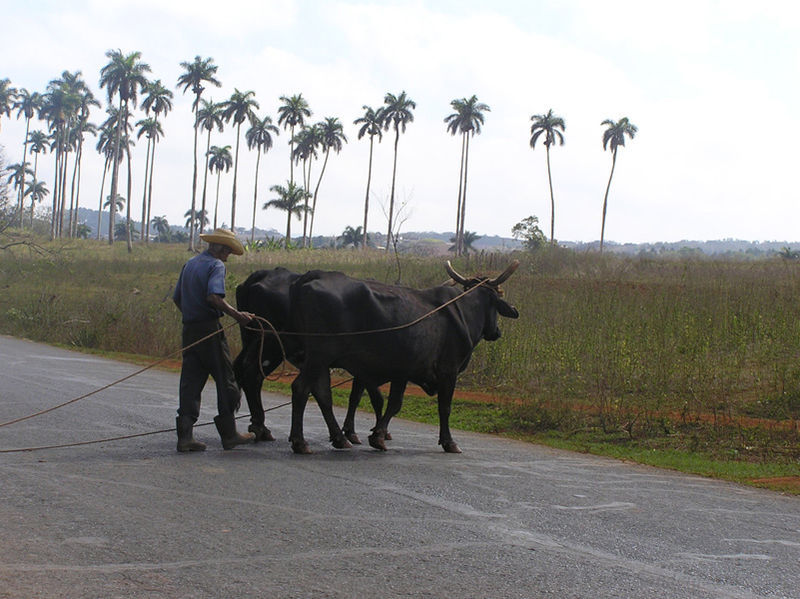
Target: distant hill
[(434, 243)]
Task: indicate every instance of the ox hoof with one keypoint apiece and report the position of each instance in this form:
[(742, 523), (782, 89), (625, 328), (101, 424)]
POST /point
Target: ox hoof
[(341, 443), (450, 447), (377, 439), (301, 448), (352, 437), (388, 436), (261, 432)]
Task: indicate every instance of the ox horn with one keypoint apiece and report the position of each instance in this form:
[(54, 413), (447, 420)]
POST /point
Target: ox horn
[(454, 275), (503, 277)]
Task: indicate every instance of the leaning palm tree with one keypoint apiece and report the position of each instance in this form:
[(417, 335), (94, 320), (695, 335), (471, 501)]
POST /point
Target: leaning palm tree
[(372, 125), (209, 117), (549, 125), (259, 138), (240, 107), (199, 72), (292, 200), (332, 138), (397, 114), (219, 160), (466, 120), (293, 112), (124, 75), (28, 105), (613, 138), (158, 99), (7, 96)]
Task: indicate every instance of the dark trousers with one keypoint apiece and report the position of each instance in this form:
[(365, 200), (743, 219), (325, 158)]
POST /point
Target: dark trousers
[(211, 357)]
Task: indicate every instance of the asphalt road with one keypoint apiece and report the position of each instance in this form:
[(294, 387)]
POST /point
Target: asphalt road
[(134, 518)]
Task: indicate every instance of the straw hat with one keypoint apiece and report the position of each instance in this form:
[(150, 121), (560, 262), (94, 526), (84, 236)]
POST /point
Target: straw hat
[(226, 238)]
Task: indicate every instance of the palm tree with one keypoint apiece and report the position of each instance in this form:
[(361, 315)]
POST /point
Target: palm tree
[(28, 105), (614, 137), (37, 191), (150, 128), (7, 96), (292, 199), (209, 116), (39, 142), (240, 107), (549, 125), (124, 75), (351, 236), (197, 221), (259, 138), (293, 112), (306, 142), (372, 125), (82, 127), (332, 138), (467, 239), (197, 73), (161, 225), (119, 203), (158, 99), (16, 175), (466, 120), (219, 160), (397, 113)]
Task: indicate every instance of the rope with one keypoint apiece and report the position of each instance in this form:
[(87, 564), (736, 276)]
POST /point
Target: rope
[(109, 439), (125, 378)]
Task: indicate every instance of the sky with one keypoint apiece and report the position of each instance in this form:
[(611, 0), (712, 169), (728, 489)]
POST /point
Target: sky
[(713, 87)]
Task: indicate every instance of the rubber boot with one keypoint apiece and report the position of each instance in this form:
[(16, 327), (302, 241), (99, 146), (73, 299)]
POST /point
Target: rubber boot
[(186, 441), (226, 426)]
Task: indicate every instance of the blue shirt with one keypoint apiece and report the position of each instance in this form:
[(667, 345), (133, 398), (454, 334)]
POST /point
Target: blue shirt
[(200, 277)]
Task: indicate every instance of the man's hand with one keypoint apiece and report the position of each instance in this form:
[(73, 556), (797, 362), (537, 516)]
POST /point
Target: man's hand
[(243, 317)]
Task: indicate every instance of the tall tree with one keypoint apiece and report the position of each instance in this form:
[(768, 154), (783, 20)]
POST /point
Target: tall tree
[(36, 191), (209, 116), (291, 199), (293, 112), (39, 142), (158, 100), (552, 127), (7, 96), (80, 128), (372, 125), (306, 143), (240, 107), (219, 160), (27, 104), (259, 138), (466, 120), (198, 73), (397, 113), (613, 138), (333, 138), (123, 76), (151, 129)]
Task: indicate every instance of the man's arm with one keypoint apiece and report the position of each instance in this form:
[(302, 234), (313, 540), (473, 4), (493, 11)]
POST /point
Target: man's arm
[(218, 302)]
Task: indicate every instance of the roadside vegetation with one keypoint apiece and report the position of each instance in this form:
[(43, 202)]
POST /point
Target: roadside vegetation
[(689, 363)]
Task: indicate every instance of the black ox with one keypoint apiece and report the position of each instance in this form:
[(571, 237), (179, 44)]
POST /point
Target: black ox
[(265, 293), (383, 333)]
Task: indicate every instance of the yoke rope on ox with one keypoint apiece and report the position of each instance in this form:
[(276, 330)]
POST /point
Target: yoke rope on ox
[(263, 334)]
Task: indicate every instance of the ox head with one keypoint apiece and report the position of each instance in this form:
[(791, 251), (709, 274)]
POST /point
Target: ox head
[(491, 332)]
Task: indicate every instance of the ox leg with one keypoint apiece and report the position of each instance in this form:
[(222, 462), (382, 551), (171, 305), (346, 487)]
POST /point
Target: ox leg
[(349, 427), (300, 391), (378, 436), (446, 389), (249, 378), (321, 388)]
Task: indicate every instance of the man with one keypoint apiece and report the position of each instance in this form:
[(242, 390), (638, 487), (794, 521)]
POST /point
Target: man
[(200, 296)]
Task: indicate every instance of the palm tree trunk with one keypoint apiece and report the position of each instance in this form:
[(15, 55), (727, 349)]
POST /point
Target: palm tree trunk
[(20, 207), (460, 192), (194, 179), (150, 191), (391, 195), (205, 181), (144, 188), (605, 199), (102, 186), (552, 199), (112, 208), (464, 198), (235, 174), (291, 155), (306, 186), (74, 225), (216, 202), (366, 196), (288, 230), (255, 196), (128, 207), (314, 202)]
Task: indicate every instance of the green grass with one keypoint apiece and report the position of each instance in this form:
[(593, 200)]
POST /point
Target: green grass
[(640, 355)]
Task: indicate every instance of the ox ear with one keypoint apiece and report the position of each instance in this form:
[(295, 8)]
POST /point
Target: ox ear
[(506, 309)]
